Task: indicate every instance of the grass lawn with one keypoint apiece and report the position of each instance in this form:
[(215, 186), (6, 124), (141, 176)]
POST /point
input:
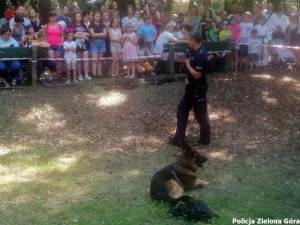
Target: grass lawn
[(85, 154)]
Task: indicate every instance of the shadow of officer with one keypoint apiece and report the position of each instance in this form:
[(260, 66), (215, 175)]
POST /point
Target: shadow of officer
[(195, 93)]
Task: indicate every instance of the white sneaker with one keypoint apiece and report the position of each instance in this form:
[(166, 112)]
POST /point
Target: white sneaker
[(14, 82), (80, 78), (87, 77), (68, 82), (75, 81)]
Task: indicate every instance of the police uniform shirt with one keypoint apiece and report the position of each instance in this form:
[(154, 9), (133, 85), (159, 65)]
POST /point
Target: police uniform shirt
[(198, 61)]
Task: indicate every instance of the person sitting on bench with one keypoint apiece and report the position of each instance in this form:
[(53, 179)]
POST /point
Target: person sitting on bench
[(14, 66)]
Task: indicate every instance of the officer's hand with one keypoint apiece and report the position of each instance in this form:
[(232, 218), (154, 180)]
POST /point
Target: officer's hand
[(186, 81), (187, 61)]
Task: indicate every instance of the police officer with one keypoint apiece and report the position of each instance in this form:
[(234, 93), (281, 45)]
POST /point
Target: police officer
[(195, 93)]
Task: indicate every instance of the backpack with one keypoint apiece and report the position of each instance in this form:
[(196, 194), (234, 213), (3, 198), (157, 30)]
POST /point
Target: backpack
[(194, 210)]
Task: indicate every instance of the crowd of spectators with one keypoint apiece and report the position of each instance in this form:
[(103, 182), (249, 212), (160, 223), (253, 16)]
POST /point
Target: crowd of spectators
[(76, 37)]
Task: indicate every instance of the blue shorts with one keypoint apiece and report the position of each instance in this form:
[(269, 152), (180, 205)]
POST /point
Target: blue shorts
[(98, 45), (243, 51), (56, 48), (253, 57), (115, 47)]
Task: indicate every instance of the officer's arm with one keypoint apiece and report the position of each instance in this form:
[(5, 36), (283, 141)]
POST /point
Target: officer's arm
[(194, 73)]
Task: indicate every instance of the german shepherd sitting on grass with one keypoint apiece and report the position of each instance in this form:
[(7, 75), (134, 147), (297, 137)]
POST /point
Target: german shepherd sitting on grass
[(169, 183)]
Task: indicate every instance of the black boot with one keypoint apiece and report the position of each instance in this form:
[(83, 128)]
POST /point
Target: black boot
[(176, 142)]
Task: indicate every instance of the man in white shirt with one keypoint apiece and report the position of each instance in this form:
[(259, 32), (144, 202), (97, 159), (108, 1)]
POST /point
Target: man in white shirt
[(165, 38), (20, 12), (268, 14), (279, 21)]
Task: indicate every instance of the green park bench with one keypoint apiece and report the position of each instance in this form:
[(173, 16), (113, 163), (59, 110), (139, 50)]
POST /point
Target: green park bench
[(21, 54), (24, 53), (213, 47)]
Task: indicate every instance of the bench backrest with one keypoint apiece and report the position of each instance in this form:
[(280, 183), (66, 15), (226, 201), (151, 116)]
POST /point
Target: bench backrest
[(15, 52), (210, 47), (42, 53)]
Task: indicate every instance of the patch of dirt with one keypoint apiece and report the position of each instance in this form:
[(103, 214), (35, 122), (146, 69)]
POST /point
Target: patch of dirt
[(251, 114)]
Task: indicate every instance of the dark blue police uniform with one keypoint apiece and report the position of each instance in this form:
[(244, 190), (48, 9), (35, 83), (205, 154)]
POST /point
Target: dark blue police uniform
[(195, 97)]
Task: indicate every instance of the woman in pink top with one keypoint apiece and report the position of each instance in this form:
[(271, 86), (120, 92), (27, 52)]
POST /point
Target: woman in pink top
[(235, 36), (55, 37)]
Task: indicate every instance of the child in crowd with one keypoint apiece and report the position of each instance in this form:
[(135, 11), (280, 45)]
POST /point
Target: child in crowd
[(81, 37), (263, 36), (177, 31), (115, 36), (210, 33), (173, 19), (148, 4), (30, 31), (41, 42), (140, 18), (235, 36), (97, 43), (222, 16), (246, 28), (182, 32), (225, 33), (29, 40), (130, 54), (148, 32), (70, 56), (254, 49)]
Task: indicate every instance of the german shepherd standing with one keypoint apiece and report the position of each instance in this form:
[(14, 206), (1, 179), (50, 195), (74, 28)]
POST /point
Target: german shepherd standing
[(169, 183)]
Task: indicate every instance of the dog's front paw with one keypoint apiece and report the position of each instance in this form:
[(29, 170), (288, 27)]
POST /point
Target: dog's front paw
[(200, 184)]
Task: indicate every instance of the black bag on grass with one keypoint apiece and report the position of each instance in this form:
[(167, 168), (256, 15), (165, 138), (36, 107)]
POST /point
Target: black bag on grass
[(193, 210)]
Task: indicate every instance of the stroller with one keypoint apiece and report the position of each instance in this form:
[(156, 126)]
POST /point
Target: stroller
[(282, 57)]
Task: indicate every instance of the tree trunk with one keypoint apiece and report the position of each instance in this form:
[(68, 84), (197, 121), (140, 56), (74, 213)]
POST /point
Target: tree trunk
[(15, 2), (45, 8), (2, 7), (248, 5), (168, 5), (275, 3), (191, 3)]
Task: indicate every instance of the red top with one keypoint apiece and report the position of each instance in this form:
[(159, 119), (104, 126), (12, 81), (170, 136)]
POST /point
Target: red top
[(155, 23), (8, 14)]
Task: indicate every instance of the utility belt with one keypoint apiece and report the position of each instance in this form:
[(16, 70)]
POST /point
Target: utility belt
[(199, 95)]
